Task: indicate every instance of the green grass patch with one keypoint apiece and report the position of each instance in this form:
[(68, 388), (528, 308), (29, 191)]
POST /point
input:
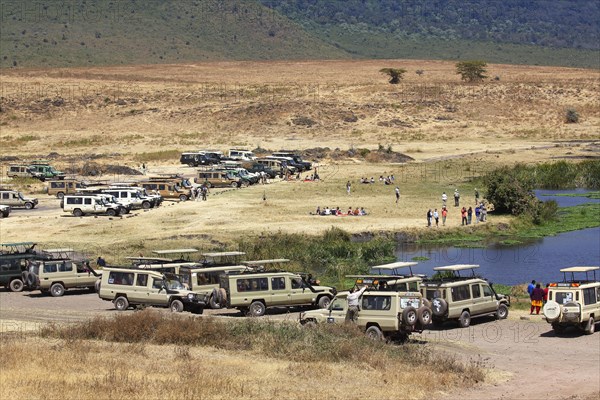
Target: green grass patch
[(568, 219), (420, 258), (511, 242), (590, 195)]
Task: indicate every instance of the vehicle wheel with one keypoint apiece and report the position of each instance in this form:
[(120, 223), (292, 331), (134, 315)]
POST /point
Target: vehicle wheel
[(97, 286), (409, 316), (502, 312), (57, 290), (16, 285), (590, 327), (245, 183), (183, 197), (465, 319), (424, 316), (234, 185), (324, 302), (374, 333), (31, 280), (176, 306), (77, 212), (223, 297), (28, 205), (146, 205), (439, 307), (257, 309), (60, 195), (121, 303), (24, 276), (111, 212), (310, 324)]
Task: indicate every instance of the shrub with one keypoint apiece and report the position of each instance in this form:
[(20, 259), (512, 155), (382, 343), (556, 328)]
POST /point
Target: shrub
[(571, 117)]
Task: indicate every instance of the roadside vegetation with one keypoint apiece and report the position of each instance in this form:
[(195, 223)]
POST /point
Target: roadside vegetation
[(155, 355)]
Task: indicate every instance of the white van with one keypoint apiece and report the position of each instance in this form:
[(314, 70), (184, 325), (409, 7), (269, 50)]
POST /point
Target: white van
[(244, 155), (130, 196), (81, 204)]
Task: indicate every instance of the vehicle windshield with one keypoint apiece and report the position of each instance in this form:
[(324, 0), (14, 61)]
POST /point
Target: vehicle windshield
[(174, 284), (21, 196)]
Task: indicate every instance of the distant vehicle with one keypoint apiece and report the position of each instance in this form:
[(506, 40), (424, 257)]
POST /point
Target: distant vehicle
[(279, 164), (297, 160), (256, 167), (42, 170), (168, 189), (19, 171), (14, 199), (218, 179), (198, 159), (241, 154), (80, 205), (14, 258), (61, 187)]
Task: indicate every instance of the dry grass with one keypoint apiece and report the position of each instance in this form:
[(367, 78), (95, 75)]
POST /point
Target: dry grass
[(247, 359)]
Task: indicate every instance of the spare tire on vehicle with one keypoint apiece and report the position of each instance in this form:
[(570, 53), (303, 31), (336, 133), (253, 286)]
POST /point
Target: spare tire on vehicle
[(439, 307), (97, 286), (222, 297), (409, 316), (424, 316), (31, 280), (215, 301)]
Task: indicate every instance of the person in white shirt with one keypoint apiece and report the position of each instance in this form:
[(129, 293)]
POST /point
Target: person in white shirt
[(352, 313), (444, 198)]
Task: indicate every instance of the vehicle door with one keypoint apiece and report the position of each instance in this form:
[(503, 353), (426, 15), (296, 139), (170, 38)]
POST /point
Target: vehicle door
[(590, 303), (460, 297), (139, 290), (490, 303), (337, 310), (156, 293), (83, 276), (6, 199), (479, 304), (299, 291), (280, 293)]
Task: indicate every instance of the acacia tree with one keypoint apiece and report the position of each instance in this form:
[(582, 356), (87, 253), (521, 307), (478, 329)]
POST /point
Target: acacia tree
[(395, 74), (471, 71)]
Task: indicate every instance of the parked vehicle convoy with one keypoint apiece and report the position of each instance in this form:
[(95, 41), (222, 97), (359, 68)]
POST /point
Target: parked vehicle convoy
[(252, 293), (458, 298), (127, 287), (42, 170), (218, 179), (297, 161), (385, 311), (574, 302), (66, 186), (256, 167), (60, 273), (15, 199)]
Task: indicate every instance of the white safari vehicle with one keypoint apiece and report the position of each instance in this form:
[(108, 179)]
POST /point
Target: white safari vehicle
[(574, 302)]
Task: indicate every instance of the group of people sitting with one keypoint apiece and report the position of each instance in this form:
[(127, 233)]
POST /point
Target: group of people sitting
[(336, 211), (388, 180)]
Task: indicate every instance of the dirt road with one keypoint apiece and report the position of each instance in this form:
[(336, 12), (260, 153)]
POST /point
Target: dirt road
[(524, 357)]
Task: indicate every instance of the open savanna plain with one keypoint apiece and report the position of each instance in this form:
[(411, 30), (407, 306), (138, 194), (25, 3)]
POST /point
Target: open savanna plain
[(126, 116)]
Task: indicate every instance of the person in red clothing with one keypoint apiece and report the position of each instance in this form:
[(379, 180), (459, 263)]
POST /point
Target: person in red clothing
[(463, 213), (546, 290), (537, 298)]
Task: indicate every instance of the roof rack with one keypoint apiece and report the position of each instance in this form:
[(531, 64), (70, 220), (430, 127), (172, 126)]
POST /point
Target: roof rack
[(256, 263), (175, 251), (583, 269), (392, 268), (455, 272)]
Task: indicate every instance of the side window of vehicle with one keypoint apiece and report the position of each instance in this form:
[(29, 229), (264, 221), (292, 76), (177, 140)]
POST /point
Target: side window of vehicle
[(598, 294), (87, 201), (413, 286), (278, 283), (379, 303), (49, 268), (157, 283), (461, 293), (589, 296), (296, 283), (120, 278), (142, 280), (65, 267), (487, 291), (5, 195), (161, 187), (476, 290)]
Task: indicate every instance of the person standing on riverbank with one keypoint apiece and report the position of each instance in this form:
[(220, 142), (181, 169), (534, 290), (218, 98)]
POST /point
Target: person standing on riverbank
[(444, 199), (444, 215), (436, 216), (456, 198), (469, 215), (537, 298), (397, 190), (429, 216), (348, 187), (530, 288)]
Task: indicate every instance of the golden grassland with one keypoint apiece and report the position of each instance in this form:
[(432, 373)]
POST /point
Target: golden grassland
[(205, 358)]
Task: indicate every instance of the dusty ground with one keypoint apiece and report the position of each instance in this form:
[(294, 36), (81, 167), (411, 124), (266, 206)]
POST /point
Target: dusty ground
[(523, 357)]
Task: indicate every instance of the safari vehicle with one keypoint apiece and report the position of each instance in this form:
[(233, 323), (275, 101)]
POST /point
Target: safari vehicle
[(574, 302), (258, 168), (62, 187), (241, 154), (19, 171), (205, 280), (384, 312), (167, 189), (127, 287), (296, 159), (4, 211), (14, 199), (277, 164), (42, 170), (149, 200), (130, 197), (61, 272), (218, 179), (109, 199), (252, 293), (196, 159), (458, 298), (222, 258), (82, 204), (14, 259)]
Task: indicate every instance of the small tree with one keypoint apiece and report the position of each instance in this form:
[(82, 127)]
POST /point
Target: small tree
[(471, 71), (571, 117), (395, 74)]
